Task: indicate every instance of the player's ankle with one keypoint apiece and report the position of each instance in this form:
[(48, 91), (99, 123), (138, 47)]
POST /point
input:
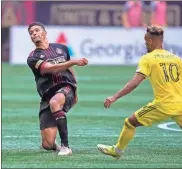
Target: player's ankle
[(118, 149), (64, 145)]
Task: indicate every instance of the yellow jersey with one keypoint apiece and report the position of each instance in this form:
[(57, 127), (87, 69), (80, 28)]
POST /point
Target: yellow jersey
[(164, 70)]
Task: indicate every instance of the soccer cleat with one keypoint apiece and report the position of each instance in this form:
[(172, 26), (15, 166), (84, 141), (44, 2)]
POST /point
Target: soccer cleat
[(58, 147), (110, 150), (65, 151)]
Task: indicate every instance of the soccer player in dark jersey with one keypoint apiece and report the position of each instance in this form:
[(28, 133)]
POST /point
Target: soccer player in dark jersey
[(56, 84)]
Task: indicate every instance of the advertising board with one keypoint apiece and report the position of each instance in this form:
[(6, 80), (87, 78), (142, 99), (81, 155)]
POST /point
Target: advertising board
[(100, 45)]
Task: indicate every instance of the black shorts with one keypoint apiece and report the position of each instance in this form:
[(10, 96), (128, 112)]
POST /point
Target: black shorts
[(45, 115)]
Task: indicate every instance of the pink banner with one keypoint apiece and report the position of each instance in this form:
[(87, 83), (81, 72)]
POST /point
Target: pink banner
[(17, 13)]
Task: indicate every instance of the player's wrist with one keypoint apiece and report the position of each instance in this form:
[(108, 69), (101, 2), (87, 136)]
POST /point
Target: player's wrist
[(115, 97), (73, 62)]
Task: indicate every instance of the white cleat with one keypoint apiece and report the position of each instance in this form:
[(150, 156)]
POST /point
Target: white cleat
[(58, 147), (65, 151)]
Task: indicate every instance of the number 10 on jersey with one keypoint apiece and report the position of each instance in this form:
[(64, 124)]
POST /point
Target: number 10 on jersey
[(171, 71)]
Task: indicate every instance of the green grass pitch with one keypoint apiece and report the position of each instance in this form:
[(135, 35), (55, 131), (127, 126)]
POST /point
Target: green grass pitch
[(89, 123)]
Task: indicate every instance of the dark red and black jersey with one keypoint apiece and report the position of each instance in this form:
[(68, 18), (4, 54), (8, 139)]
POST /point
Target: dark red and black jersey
[(56, 53)]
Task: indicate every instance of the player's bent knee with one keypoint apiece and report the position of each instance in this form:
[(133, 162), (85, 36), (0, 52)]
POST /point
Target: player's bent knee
[(134, 122), (57, 100), (53, 103), (128, 124)]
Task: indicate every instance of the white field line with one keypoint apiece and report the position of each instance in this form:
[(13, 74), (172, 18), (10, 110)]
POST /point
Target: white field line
[(165, 126)]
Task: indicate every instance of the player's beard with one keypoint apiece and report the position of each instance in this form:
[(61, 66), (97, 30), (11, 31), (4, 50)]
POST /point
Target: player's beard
[(38, 42), (148, 50), (37, 39)]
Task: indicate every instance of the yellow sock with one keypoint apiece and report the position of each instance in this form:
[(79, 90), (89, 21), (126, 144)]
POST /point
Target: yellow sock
[(126, 135)]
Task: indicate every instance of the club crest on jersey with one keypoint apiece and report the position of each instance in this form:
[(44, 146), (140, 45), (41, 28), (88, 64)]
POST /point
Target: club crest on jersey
[(42, 56), (59, 51)]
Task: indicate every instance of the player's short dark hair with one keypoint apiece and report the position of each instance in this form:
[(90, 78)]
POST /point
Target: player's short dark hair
[(36, 24), (155, 30)]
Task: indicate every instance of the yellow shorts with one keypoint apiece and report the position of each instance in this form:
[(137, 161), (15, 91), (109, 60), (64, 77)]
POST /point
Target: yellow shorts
[(151, 114)]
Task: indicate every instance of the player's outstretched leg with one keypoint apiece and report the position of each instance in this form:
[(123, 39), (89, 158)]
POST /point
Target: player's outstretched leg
[(125, 137), (56, 105)]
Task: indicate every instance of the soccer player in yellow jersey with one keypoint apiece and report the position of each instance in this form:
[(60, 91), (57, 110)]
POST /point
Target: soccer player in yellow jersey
[(164, 70)]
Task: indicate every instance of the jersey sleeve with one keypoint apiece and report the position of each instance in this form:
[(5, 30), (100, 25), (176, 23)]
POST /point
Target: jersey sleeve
[(143, 67), (35, 62)]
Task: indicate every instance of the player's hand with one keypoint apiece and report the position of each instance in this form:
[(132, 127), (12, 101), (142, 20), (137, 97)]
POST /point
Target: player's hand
[(108, 101), (81, 62)]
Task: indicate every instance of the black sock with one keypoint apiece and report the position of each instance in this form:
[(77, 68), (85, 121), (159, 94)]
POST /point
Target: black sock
[(62, 126)]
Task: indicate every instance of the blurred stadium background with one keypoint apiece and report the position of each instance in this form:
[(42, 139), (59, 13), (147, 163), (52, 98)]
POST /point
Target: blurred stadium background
[(106, 34)]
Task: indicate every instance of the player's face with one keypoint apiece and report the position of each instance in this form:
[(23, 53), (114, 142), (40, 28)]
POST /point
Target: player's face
[(148, 43), (37, 34)]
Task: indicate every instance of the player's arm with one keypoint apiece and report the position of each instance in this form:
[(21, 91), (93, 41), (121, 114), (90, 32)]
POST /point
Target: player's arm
[(143, 71), (42, 66), (60, 67), (130, 86), (50, 68)]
